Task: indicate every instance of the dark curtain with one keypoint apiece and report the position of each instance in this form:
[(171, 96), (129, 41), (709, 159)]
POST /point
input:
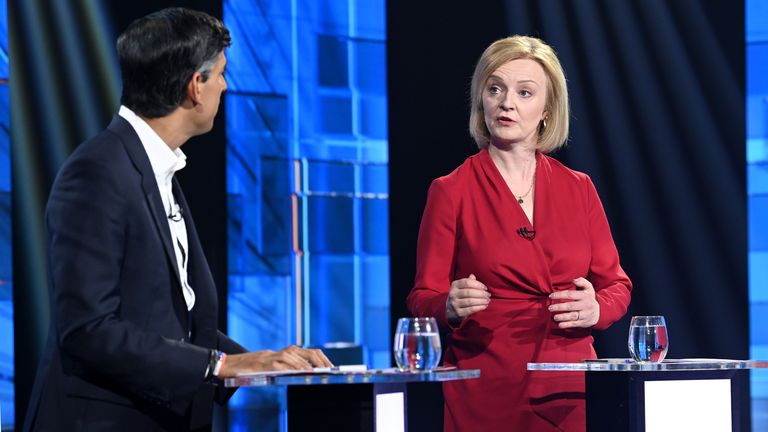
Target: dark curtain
[(65, 87), (658, 122)]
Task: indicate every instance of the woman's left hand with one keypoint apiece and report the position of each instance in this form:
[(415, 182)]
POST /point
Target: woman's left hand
[(581, 311)]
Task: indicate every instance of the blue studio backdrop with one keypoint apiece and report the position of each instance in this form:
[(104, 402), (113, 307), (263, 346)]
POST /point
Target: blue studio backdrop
[(7, 415), (306, 118), (757, 190)]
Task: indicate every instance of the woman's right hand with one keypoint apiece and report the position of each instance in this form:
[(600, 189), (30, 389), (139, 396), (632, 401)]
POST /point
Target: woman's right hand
[(466, 297)]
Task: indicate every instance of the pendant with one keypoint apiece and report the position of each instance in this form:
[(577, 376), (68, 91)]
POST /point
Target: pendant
[(519, 200)]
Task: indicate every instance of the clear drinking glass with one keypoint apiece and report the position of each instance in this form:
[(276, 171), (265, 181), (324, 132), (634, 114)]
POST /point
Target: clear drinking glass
[(417, 344), (648, 339)]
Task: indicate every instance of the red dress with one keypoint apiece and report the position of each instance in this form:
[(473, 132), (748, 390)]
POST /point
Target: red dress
[(469, 226)]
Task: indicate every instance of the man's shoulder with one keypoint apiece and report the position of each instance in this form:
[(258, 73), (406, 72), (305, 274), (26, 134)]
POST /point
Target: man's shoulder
[(108, 146), (102, 158), (100, 168)]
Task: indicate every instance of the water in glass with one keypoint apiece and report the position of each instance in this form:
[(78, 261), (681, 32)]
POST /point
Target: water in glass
[(417, 344), (648, 340)]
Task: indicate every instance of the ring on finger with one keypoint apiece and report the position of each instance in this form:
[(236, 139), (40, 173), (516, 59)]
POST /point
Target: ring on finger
[(578, 315)]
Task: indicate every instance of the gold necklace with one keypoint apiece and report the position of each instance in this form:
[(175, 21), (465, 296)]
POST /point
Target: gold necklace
[(520, 199)]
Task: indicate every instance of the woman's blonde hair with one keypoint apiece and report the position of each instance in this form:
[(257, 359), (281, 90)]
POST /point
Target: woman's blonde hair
[(555, 134)]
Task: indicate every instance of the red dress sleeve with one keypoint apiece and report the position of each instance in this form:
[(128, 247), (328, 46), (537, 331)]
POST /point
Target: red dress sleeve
[(612, 286), (435, 254)]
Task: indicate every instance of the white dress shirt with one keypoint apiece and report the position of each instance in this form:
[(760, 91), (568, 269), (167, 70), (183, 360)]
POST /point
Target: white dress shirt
[(165, 162)]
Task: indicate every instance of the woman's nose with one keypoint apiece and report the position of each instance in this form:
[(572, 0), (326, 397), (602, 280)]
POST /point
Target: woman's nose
[(507, 103)]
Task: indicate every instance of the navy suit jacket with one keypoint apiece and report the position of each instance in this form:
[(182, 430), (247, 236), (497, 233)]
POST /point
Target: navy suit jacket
[(119, 354)]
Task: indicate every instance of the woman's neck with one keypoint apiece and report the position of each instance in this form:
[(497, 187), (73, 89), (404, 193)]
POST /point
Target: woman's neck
[(516, 162)]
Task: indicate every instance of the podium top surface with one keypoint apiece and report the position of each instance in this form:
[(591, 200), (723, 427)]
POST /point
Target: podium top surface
[(373, 376), (629, 365)]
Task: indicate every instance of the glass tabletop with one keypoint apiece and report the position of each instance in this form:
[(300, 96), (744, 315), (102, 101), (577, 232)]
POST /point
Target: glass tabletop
[(391, 375), (625, 364)]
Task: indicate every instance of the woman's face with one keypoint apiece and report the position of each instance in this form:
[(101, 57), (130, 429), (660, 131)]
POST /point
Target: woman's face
[(514, 98)]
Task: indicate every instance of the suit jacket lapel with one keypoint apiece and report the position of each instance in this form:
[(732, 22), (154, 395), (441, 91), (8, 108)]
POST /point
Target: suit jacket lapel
[(136, 152)]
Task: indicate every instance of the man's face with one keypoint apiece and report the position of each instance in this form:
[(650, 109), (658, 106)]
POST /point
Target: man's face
[(210, 95)]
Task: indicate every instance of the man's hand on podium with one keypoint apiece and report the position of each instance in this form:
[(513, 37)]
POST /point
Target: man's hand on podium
[(290, 358)]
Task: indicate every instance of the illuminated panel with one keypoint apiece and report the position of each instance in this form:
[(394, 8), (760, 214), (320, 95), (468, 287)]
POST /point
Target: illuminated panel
[(757, 190), (6, 278), (693, 405), (307, 183)]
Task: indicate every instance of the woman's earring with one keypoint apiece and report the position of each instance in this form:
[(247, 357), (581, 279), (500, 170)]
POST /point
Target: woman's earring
[(544, 123)]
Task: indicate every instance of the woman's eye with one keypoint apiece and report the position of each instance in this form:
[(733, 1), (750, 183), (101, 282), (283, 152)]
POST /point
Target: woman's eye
[(494, 90), (525, 93)]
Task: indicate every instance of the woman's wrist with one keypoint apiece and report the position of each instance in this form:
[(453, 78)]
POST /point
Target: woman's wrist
[(451, 316)]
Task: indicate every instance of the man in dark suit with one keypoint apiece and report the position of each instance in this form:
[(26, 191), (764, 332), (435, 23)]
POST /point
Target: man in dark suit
[(134, 343)]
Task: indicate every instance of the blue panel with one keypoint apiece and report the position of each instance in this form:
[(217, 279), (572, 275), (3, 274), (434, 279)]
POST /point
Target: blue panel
[(7, 403), (757, 150), (259, 122), (332, 61), (371, 19), (376, 232), (757, 187), (4, 49), (757, 24), (370, 65), (759, 320), (260, 321), (758, 222), (757, 107), (332, 16), (5, 142), (331, 225), (332, 310), (6, 362), (758, 277), (331, 177), (5, 200), (336, 114), (375, 269), (757, 68), (376, 323), (375, 275), (6, 269), (307, 182), (372, 110), (276, 216), (757, 179), (375, 178)]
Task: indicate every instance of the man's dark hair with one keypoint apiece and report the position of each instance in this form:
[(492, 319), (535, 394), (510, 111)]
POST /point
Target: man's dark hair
[(160, 52)]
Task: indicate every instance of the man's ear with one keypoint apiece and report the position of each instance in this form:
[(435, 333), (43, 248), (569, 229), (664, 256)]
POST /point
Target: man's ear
[(195, 88)]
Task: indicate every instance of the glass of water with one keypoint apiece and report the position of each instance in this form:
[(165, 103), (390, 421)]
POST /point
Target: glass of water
[(648, 339), (417, 344)]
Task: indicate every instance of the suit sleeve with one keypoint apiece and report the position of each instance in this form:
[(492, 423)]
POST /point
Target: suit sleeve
[(434, 256), (86, 233), (612, 286), (229, 346)]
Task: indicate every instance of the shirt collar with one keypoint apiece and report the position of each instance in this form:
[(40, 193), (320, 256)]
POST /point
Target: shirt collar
[(165, 162)]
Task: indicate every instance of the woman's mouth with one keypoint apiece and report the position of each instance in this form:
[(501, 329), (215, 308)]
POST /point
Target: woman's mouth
[(505, 121)]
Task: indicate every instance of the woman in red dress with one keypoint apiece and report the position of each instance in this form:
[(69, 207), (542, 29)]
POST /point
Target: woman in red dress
[(515, 256)]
